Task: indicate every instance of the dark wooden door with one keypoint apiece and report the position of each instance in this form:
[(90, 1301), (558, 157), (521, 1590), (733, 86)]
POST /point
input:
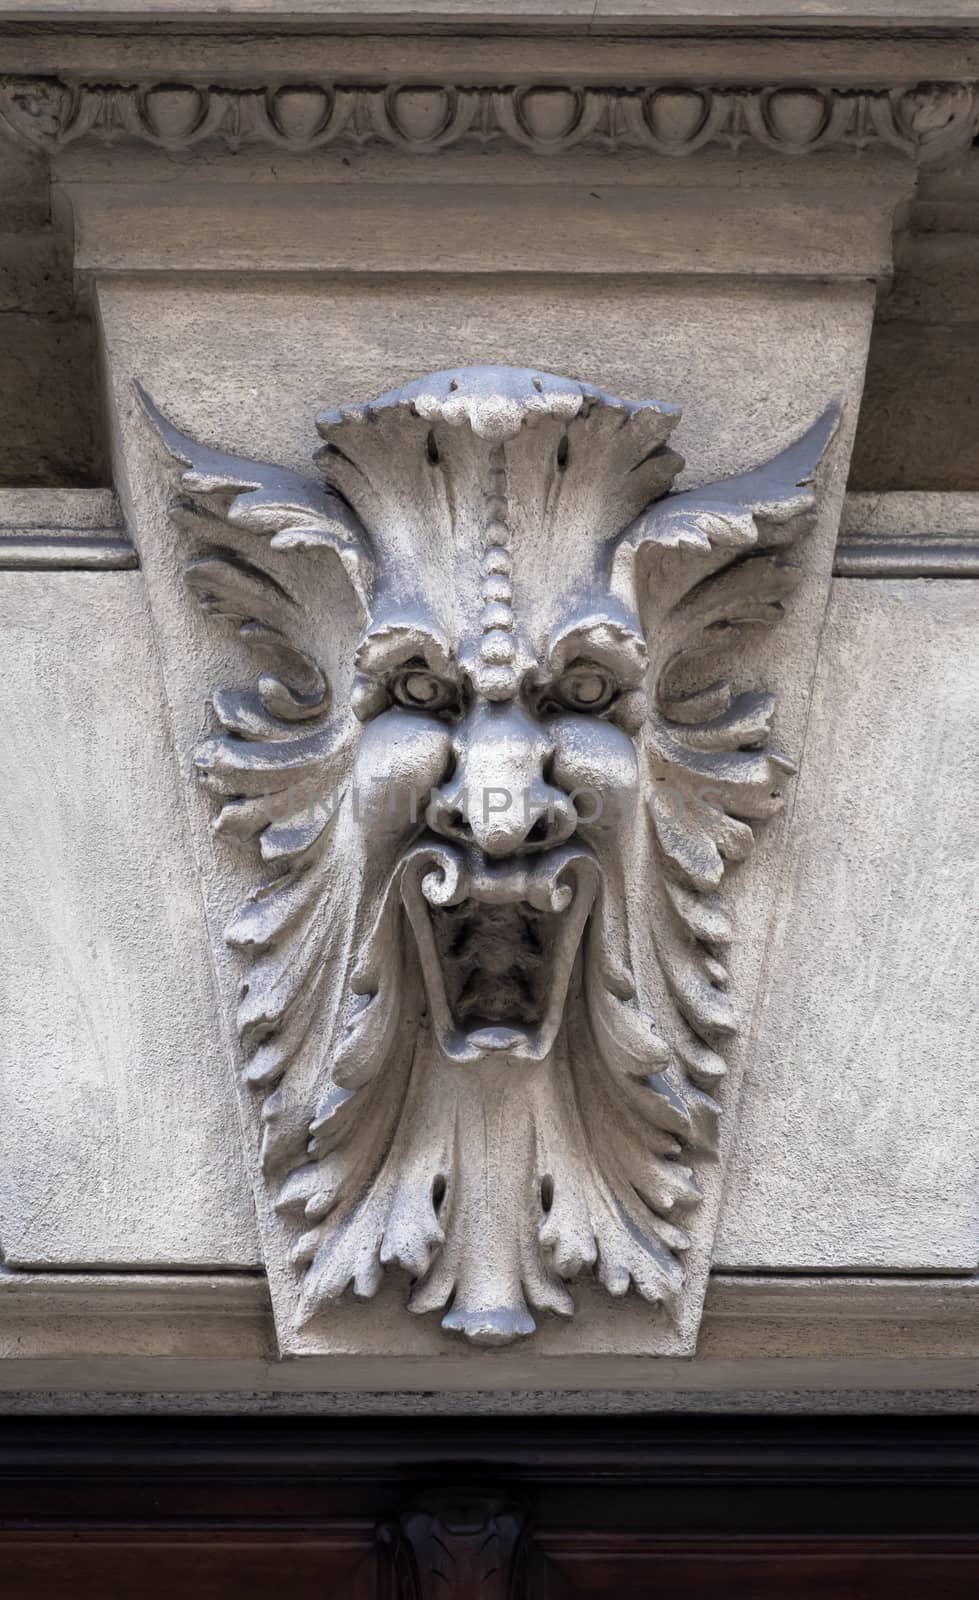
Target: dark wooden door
[(469, 1509)]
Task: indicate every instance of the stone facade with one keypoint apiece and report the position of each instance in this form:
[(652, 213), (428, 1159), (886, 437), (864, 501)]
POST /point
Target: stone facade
[(633, 348)]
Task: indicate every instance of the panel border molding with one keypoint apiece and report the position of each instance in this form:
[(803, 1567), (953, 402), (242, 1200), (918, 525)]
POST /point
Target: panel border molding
[(210, 1334), (48, 530), (909, 534)]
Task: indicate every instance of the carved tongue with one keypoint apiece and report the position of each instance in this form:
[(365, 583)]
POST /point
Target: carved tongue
[(496, 1039), (498, 942)]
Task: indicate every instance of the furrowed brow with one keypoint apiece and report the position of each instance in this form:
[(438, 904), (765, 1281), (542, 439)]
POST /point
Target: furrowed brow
[(393, 640), (611, 642)]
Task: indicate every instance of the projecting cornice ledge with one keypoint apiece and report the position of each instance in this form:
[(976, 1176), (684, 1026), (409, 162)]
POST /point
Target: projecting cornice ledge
[(925, 122)]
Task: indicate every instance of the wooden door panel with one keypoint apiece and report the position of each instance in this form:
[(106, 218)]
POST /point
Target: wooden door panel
[(179, 1566), (490, 1509), (623, 1569)]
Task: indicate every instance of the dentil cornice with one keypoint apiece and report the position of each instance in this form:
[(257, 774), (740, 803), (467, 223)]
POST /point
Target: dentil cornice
[(925, 122)]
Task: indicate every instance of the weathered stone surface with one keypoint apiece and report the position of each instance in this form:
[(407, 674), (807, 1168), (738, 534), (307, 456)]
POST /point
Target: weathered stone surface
[(57, 529), (118, 1140), (351, 340), (219, 1326), (23, 187), (919, 1216), (50, 413), (275, 352), (466, 806), (713, 55), (491, 184), (918, 425), (921, 516), (50, 418), (66, 513), (909, 535), (925, 122), (563, 228), (935, 278), (856, 1146), (35, 273), (569, 15)]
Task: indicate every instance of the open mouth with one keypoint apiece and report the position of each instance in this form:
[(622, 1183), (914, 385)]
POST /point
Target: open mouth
[(497, 941)]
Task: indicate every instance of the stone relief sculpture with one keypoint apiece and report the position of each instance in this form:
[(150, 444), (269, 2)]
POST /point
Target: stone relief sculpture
[(483, 1007), (927, 121)]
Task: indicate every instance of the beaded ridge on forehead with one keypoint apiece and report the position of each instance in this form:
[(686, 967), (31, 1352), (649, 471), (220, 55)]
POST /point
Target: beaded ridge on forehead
[(495, 672)]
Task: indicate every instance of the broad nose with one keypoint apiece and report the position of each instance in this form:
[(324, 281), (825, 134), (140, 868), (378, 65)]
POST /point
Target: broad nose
[(498, 796)]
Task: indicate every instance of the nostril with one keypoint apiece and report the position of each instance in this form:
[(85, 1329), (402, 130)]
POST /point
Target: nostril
[(540, 832), (449, 821)]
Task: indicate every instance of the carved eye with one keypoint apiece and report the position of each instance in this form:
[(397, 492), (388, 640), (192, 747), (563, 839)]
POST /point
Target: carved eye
[(585, 687), (422, 690)]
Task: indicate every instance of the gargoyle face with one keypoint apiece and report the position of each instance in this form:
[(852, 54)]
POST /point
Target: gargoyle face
[(507, 702), (527, 795), (500, 880)]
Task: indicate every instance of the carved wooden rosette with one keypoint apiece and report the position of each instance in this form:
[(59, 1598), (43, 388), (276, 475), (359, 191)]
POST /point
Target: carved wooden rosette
[(483, 1006)]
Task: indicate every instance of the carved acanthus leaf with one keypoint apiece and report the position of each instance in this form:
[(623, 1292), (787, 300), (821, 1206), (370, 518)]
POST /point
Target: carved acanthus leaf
[(292, 512), (713, 775), (488, 1056)]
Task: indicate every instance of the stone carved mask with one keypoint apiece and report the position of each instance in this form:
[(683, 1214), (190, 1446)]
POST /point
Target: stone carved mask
[(483, 1005)]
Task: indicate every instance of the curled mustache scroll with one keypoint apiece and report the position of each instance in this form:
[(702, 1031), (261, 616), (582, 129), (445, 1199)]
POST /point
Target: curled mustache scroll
[(484, 1006)]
